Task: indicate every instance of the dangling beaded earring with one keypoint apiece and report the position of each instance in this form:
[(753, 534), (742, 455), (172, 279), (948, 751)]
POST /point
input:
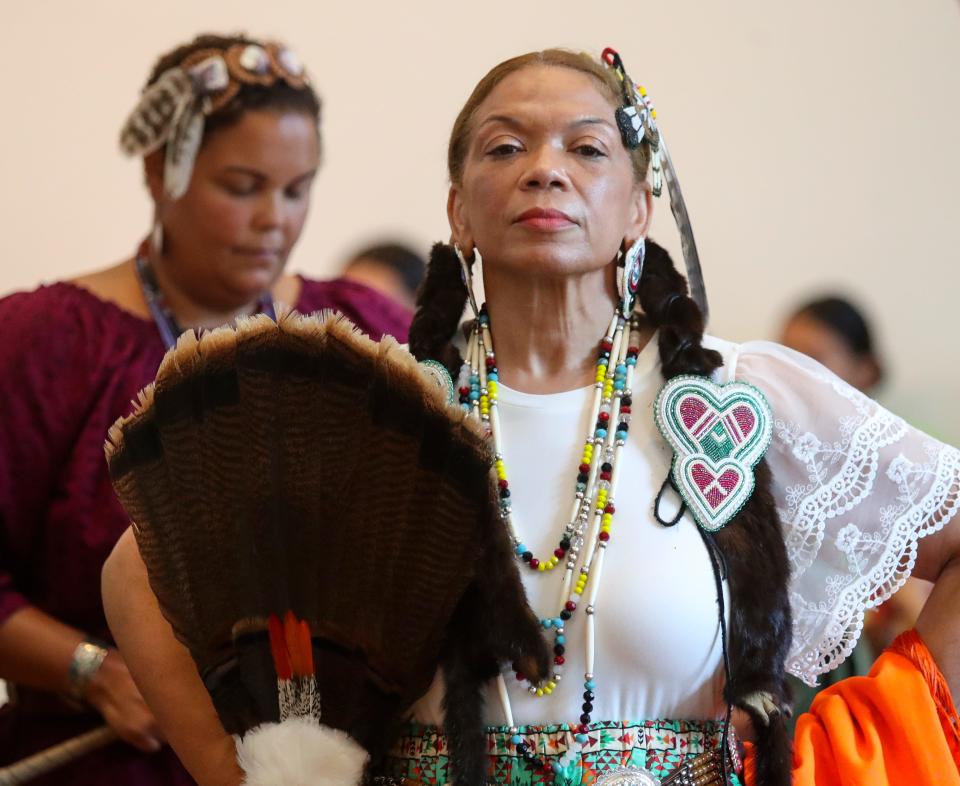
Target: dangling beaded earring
[(628, 277), (466, 273)]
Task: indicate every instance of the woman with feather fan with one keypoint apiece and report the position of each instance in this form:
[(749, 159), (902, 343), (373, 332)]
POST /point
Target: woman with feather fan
[(228, 133), (692, 518)]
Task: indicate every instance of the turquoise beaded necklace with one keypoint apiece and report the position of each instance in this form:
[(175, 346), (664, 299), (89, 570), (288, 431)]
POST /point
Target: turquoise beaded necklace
[(587, 530)]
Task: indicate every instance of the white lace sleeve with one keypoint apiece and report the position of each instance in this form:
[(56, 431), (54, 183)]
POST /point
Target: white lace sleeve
[(856, 488)]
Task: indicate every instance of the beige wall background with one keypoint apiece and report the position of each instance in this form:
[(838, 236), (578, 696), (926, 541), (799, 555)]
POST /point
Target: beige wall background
[(816, 141)]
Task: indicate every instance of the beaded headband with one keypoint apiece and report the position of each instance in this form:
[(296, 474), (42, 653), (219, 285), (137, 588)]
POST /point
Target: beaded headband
[(173, 109), (637, 121)]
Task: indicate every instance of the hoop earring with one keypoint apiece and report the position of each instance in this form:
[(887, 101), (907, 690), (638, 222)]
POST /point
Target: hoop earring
[(466, 273), (628, 276)]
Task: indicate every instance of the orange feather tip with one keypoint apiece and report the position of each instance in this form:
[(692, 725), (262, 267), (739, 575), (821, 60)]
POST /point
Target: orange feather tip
[(290, 636), (306, 648), (292, 646), (278, 648)]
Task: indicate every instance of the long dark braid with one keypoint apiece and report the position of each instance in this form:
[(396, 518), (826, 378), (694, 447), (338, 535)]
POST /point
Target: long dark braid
[(751, 547), (665, 300), (440, 302)]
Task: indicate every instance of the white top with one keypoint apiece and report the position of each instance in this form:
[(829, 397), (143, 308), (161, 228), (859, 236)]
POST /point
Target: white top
[(855, 486)]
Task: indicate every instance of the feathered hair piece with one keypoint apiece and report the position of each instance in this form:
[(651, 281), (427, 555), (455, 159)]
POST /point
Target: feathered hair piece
[(172, 110), (322, 531), (637, 121)]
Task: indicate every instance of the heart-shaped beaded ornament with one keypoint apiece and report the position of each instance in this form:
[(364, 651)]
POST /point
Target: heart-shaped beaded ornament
[(718, 433)]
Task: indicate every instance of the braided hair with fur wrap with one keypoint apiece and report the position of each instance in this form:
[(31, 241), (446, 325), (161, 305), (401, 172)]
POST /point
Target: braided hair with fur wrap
[(750, 550)]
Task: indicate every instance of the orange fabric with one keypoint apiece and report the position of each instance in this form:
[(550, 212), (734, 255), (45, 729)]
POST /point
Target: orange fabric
[(911, 646), (897, 726)]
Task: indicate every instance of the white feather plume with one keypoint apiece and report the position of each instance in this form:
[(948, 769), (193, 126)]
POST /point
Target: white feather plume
[(300, 752)]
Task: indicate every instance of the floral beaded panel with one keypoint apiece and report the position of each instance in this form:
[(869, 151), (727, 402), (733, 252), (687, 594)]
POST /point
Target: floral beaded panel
[(856, 488), (659, 747)]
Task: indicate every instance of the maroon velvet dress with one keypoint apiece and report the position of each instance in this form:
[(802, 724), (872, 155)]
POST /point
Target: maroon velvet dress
[(70, 364)]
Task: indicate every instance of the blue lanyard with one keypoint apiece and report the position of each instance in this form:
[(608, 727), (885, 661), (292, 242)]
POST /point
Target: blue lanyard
[(162, 316)]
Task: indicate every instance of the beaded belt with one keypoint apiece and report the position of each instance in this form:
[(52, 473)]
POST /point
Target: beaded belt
[(702, 770), (646, 753)]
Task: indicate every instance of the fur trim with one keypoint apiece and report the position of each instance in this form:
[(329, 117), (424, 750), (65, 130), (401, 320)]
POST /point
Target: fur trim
[(300, 752)]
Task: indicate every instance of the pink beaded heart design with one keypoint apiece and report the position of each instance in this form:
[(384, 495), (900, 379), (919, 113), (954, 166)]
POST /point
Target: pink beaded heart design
[(718, 433), (714, 488)]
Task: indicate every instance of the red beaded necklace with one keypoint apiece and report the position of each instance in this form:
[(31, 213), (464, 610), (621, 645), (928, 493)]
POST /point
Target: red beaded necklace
[(587, 530)]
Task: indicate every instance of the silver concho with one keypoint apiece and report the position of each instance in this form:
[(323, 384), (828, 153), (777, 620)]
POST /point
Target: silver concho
[(290, 62), (628, 776), (255, 59)]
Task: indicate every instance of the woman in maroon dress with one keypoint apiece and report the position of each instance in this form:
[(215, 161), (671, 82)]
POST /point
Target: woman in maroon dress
[(228, 129)]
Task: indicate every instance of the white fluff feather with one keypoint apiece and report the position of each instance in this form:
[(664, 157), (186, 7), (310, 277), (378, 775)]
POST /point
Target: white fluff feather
[(300, 752)]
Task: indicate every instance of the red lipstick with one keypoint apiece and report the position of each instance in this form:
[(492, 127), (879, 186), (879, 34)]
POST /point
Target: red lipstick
[(545, 219)]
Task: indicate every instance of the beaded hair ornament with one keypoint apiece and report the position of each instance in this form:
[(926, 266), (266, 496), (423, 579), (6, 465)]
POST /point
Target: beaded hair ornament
[(637, 121), (173, 109)]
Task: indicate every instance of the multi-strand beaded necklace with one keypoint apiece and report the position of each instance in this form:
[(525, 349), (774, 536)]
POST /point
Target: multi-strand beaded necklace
[(587, 532)]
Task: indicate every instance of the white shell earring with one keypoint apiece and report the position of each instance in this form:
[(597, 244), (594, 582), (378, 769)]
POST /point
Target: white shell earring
[(628, 276)]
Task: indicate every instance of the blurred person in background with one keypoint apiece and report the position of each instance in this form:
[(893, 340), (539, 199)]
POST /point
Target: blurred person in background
[(835, 332), (394, 269), (228, 131)]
